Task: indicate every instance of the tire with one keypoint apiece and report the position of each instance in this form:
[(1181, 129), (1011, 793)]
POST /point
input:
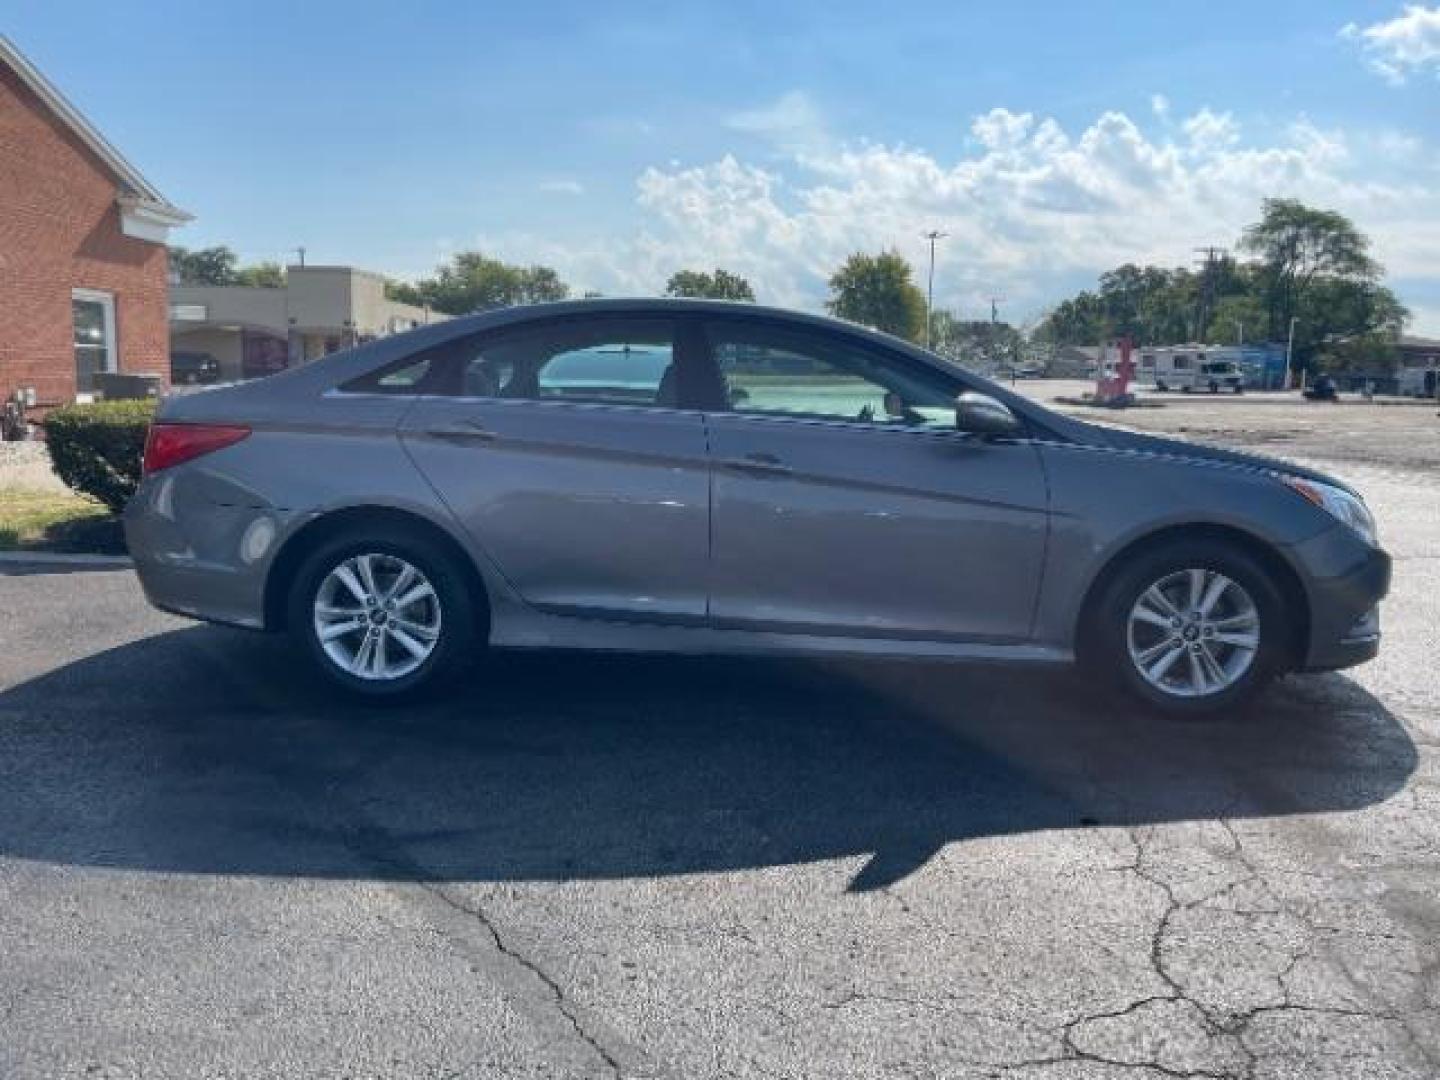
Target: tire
[(442, 622), (1160, 386), (1185, 389), (1119, 638)]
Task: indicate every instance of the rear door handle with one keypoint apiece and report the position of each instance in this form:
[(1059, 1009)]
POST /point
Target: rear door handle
[(463, 431), (758, 464)]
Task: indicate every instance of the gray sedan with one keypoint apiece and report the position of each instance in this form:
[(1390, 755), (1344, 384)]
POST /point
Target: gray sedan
[(691, 476)]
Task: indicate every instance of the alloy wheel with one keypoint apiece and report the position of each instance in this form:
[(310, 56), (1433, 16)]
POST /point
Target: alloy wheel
[(377, 616), (1193, 633)]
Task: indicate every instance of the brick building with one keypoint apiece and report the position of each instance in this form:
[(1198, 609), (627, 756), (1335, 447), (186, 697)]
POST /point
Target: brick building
[(82, 247)]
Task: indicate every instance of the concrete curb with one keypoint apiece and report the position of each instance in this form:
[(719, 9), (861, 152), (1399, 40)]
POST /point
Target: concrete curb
[(62, 558)]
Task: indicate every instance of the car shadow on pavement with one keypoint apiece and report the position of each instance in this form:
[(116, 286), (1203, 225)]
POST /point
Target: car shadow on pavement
[(205, 750)]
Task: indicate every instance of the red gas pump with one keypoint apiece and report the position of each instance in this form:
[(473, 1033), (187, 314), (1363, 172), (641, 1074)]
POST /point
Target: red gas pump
[(1115, 389)]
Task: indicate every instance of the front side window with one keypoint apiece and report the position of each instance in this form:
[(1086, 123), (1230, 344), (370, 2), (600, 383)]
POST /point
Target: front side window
[(823, 377), (93, 316)]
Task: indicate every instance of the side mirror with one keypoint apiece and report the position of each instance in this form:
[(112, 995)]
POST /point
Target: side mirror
[(981, 414)]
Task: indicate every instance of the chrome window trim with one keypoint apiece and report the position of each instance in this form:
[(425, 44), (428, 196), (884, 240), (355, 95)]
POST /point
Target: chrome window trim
[(861, 426), (550, 403)]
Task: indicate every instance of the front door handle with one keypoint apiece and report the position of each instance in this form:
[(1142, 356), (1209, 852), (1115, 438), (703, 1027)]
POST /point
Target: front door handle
[(758, 464), (463, 431)]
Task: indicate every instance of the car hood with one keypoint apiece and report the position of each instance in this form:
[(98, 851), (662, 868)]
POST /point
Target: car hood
[(1138, 442)]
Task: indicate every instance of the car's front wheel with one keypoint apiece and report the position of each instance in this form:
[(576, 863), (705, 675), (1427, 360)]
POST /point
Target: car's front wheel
[(384, 615), (1192, 628)]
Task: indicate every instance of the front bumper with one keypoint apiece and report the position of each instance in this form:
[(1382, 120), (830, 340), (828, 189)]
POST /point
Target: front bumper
[(1344, 607)]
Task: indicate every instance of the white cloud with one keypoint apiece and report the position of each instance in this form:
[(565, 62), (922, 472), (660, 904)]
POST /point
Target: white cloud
[(1000, 129), (791, 122), (1160, 105), (562, 187), (1404, 45), (1032, 209), (1208, 130)]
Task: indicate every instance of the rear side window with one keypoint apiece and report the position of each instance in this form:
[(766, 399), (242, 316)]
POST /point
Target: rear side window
[(615, 361)]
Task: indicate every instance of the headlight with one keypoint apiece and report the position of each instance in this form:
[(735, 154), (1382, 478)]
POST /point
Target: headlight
[(1337, 502)]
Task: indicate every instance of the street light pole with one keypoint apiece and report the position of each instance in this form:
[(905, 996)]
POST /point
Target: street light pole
[(933, 235), (1290, 349)]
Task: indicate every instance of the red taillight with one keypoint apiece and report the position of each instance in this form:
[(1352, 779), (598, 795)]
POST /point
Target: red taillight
[(170, 444)]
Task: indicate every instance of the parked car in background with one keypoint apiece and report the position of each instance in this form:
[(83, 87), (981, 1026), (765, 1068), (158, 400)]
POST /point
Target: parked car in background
[(1322, 389), (705, 477), (193, 369)]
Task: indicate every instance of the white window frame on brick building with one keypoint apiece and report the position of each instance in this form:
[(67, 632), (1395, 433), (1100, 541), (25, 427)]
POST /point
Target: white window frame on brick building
[(109, 344)]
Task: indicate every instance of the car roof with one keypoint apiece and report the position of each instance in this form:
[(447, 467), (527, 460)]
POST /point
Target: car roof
[(669, 305)]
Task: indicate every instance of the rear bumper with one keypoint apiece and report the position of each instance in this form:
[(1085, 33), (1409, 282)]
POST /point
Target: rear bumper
[(1345, 613), (207, 564)]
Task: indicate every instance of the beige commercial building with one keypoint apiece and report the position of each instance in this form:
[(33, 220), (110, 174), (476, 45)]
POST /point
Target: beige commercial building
[(220, 333)]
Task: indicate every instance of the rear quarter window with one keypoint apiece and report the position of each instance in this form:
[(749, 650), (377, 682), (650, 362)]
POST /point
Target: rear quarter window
[(406, 376)]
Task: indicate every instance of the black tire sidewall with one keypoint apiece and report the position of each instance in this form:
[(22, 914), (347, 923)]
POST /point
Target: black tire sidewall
[(1109, 624), (457, 629)]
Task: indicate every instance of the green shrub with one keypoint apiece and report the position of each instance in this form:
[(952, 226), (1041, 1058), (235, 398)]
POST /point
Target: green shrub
[(97, 449)]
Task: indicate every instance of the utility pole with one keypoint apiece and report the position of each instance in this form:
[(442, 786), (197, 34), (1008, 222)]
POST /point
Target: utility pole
[(301, 252), (1205, 303), (933, 235), (1239, 332), (1290, 349), (995, 301)]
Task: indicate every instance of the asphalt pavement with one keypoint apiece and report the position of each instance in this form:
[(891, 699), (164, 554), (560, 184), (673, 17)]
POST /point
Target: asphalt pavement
[(621, 866)]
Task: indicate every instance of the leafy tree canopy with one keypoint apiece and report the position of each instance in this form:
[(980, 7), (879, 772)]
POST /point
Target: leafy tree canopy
[(472, 281), (721, 285), (265, 275), (207, 266), (219, 266), (1307, 264), (976, 343), (879, 291)]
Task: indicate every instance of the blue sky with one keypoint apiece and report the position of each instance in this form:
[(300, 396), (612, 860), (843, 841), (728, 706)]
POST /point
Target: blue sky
[(621, 142)]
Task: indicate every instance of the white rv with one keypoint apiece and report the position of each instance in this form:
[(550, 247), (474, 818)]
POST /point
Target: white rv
[(1191, 367)]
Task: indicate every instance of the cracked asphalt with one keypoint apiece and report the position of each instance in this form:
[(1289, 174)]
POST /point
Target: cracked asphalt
[(590, 866)]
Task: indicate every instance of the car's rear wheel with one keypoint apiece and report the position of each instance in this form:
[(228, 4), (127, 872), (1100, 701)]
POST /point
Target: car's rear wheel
[(384, 615), (1192, 628)]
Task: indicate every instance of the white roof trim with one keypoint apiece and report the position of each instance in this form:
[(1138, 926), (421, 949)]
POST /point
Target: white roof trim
[(139, 199)]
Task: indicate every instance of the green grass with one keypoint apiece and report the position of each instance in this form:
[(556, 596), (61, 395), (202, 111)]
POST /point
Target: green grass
[(53, 521)]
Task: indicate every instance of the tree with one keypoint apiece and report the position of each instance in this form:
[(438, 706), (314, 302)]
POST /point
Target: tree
[(1298, 246), (976, 343), (878, 291), (472, 281), (402, 292), (264, 275), (207, 266), (1312, 265), (721, 285), (219, 266), (1238, 317)]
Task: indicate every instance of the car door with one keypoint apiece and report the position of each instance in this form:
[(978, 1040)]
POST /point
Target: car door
[(845, 502), (561, 447)]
